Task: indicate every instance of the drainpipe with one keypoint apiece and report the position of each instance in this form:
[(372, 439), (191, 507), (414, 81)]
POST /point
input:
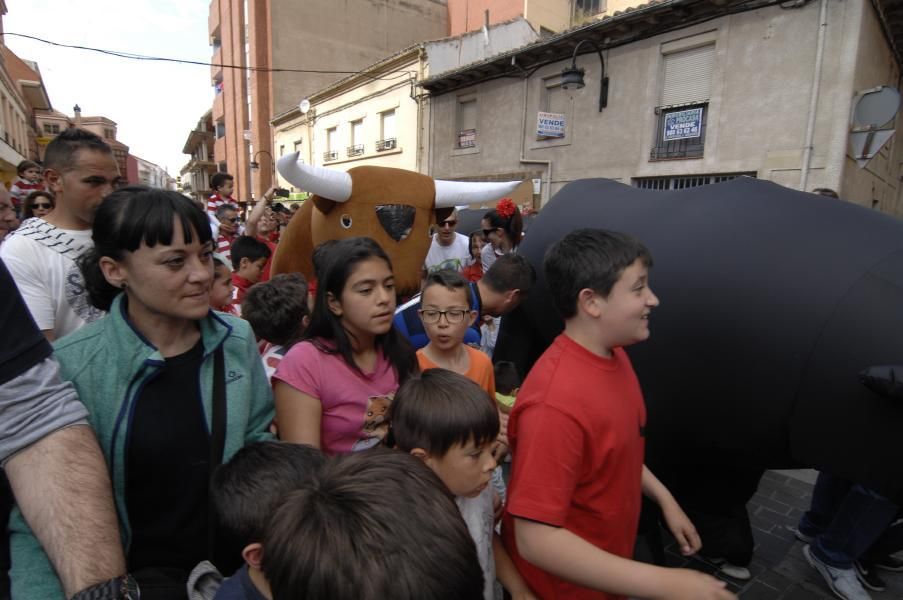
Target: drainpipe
[(523, 158), (813, 101), (419, 136)]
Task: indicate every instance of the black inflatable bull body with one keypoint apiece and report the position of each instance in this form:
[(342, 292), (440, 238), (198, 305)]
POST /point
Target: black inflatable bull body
[(772, 303)]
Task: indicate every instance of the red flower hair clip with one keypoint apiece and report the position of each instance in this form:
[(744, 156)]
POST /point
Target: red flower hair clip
[(506, 208)]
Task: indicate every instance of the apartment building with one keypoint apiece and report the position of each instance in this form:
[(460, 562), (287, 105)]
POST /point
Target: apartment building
[(294, 49), (682, 93)]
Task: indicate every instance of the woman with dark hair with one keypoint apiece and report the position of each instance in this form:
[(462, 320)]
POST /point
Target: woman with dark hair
[(38, 204), (503, 228), (172, 388), (334, 388)]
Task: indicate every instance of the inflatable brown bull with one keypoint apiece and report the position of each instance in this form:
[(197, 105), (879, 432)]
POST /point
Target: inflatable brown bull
[(395, 207)]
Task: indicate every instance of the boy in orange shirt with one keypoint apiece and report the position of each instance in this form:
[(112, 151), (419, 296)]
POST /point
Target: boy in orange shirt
[(445, 309)]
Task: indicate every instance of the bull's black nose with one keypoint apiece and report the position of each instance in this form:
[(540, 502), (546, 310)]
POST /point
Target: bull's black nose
[(396, 219)]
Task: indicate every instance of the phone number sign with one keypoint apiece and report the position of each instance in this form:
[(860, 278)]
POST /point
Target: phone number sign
[(682, 125)]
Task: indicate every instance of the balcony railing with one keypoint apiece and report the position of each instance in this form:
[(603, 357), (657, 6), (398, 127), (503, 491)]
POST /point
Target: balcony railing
[(355, 150), (386, 144), (330, 155), (467, 138)]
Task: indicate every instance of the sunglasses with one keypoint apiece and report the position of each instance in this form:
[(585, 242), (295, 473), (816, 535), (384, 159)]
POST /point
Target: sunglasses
[(486, 232), (449, 223), (234, 220), (42, 206)]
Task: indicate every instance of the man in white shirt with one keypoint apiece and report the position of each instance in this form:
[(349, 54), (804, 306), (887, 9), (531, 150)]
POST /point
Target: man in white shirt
[(449, 249), (42, 254)]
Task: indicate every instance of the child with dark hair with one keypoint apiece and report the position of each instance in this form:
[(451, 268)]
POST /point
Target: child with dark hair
[(333, 389), (507, 384), (249, 257), (244, 493), (474, 270), (372, 525), (222, 184), (278, 313), (448, 422), (222, 290), (27, 181), (503, 228), (577, 430)]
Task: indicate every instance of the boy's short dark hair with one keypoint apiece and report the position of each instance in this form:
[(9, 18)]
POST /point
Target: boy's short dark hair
[(276, 308), (25, 165), (506, 377), (218, 179), (61, 151), (438, 409), (318, 258), (246, 490), (372, 525), (248, 247), (447, 278), (510, 272), (589, 258)]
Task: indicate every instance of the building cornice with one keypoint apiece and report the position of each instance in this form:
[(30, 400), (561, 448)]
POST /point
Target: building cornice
[(644, 21)]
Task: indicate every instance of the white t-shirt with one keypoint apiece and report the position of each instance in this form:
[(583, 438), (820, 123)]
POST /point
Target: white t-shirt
[(41, 259), (456, 256), (477, 514)]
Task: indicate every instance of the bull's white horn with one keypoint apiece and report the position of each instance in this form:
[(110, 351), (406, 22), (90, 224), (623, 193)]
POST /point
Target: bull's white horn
[(457, 193), (326, 183)]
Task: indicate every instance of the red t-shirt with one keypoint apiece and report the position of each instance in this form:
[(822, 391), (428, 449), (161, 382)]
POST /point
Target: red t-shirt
[(576, 436)]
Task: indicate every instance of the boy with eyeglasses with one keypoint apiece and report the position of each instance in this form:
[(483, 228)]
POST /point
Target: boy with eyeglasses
[(498, 292), (449, 249), (447, 312)]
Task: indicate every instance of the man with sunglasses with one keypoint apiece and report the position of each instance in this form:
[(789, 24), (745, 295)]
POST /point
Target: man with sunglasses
[(449, 249), (228, 229)]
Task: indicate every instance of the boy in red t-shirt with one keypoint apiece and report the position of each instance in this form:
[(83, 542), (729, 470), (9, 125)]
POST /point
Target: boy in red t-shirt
[(249, 256), (576, 434)]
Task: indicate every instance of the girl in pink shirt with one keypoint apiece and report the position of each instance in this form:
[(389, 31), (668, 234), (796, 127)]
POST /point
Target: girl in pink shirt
[(333, 389)]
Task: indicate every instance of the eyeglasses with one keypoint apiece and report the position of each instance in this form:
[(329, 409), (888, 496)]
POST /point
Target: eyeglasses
[(453, 316), (449, 223), (42, 206)]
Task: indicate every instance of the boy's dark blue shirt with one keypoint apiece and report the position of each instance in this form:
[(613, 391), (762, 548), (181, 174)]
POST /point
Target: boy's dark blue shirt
[(407, 320), (239, 587)]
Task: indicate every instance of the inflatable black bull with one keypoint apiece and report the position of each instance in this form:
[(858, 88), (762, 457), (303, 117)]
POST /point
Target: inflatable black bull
[(772, 303)]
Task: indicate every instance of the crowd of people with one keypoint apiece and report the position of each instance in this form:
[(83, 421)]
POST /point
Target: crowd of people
[(265, 436)]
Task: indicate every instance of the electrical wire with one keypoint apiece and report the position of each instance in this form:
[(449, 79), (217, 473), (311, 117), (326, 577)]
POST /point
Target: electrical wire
[(133, 56)]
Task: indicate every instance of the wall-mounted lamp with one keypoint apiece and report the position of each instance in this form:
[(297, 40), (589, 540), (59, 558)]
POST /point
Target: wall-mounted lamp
[(256, 165), (572, 77)]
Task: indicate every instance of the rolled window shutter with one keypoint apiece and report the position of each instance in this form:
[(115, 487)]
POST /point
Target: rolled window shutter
[(688, 76)]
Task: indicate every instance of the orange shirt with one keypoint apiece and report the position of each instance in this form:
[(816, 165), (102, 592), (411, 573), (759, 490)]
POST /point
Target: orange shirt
[(480, 371)]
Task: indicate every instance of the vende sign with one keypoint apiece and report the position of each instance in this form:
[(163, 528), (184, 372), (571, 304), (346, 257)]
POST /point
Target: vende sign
[(683, 125), (550, 125)]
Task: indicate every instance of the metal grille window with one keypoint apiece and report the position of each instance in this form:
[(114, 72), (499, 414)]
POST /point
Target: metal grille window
[(467, 121), (683, 110), (681, 182), (680, 132), (387, 124)]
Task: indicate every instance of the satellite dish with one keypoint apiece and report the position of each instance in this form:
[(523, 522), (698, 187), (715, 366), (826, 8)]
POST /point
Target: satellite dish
[(876, 107), (304, 106)]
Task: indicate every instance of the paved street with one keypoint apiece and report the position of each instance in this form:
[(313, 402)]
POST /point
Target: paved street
[(779, 570)]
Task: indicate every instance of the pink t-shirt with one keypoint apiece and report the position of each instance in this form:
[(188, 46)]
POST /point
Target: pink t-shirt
[(354, 405)]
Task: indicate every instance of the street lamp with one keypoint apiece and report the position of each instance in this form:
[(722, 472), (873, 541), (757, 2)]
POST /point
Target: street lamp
[(572, 77), (256, 165)]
